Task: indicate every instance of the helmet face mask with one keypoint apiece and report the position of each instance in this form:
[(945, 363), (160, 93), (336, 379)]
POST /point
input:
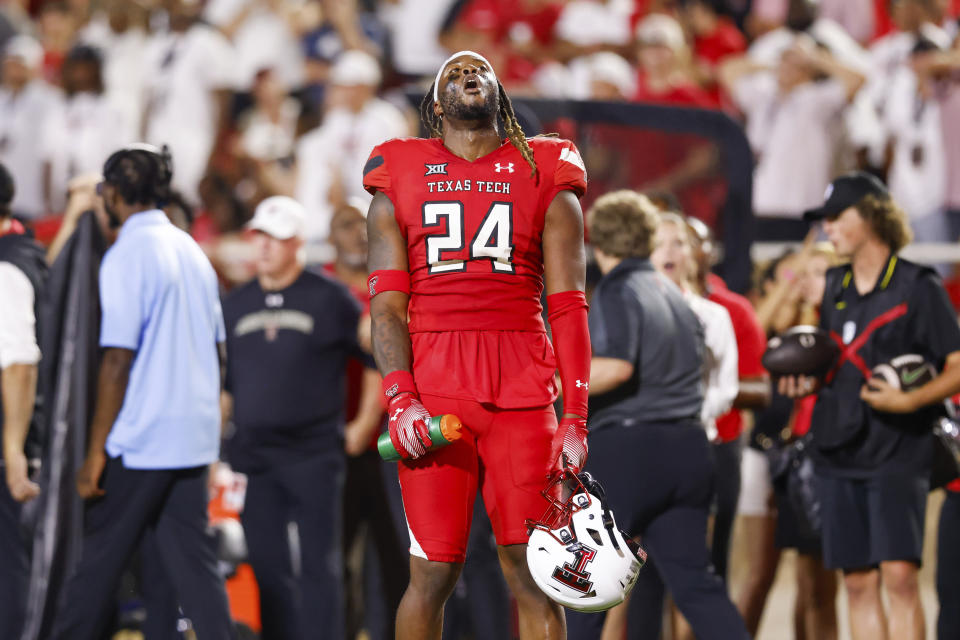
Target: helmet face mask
[(576, 553)]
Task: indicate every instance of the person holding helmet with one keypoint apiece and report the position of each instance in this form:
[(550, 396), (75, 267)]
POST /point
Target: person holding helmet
[(156, 422), (646, 395)]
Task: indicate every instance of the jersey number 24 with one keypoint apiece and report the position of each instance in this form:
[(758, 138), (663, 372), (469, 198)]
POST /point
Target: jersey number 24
[(493, 239)]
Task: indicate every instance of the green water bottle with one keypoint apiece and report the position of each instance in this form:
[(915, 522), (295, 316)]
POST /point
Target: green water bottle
[(443, 430)]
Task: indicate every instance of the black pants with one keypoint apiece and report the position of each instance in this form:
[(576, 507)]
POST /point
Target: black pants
[(366, 501), (300, 576), (659, 480), (948, 569), (14, 567), (727, 457), (170, 504)]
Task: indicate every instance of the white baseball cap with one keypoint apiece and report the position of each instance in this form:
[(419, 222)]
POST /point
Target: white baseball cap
[(607, 66), (658, 28), (26, 49), (280, 217), (355, 68)]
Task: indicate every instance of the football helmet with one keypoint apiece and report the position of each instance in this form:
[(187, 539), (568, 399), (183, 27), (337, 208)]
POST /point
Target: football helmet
[(576, 553)]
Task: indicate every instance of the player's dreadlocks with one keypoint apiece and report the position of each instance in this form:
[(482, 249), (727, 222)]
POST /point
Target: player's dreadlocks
[(511, 126)]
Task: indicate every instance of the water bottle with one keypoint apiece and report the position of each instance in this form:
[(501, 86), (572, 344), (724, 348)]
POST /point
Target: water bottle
[(443, 430)]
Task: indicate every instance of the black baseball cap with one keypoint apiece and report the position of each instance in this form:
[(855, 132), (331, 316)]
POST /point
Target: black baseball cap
[(846, 191)]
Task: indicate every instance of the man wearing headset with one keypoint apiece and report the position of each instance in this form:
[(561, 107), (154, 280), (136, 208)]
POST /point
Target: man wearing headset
[(156, 423)]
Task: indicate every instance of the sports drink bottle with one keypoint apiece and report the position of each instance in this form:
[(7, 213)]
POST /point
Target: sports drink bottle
[(443, 430)]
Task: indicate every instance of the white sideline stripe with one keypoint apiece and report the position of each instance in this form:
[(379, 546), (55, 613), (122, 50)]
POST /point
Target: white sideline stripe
[(920, 252), (415, 548)]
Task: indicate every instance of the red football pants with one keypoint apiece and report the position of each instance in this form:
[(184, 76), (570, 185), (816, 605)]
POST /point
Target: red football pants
[(504, 452)]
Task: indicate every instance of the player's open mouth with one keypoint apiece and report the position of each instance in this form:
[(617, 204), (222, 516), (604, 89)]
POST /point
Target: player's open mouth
[(471, 85)]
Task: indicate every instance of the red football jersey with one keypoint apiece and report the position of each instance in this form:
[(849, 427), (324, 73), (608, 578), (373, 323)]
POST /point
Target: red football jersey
[(473, 229), (474, 233)]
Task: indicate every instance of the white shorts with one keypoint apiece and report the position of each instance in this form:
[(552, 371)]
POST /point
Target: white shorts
[(756, 488)]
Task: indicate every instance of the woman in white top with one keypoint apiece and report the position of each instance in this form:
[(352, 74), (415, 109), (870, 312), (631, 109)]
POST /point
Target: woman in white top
[(673, 257)]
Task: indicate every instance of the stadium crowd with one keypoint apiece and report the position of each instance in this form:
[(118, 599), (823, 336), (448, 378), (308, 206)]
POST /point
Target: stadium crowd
[(270, 109)]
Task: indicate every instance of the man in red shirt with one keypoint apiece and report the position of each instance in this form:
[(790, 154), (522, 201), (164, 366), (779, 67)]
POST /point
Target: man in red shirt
[(465, 229)]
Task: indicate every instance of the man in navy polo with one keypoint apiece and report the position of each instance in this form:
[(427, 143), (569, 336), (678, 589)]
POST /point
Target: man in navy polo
[(290, 336), (156, 424)]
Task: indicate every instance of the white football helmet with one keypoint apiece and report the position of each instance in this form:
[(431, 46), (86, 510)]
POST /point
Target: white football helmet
[(576, 554)]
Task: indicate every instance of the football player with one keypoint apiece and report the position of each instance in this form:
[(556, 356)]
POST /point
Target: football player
[(465, 230)]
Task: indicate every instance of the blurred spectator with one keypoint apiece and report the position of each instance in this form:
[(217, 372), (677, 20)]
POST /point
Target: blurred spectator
[(891, 52), (588, 26), (862, 128), (673, 257), (414, 27), (189, 67), (263, 36), (792, 120), (83, 129), (14, 19), (803, 17), (715, 37), (605, 76), (23, 275), (268, 133), (118, 30), (515, 35), (665, 74), (753, 390), (25, 101), (941, 70), (917, 174), (856, 17), (792, 290), (324, 42), (56, 32), (330, 158)]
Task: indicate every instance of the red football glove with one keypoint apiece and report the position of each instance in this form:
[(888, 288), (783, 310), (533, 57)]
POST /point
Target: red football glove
[(569, 449), (409, 426)]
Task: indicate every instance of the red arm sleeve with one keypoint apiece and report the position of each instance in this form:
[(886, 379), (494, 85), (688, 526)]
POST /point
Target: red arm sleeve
[(571, 342)]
